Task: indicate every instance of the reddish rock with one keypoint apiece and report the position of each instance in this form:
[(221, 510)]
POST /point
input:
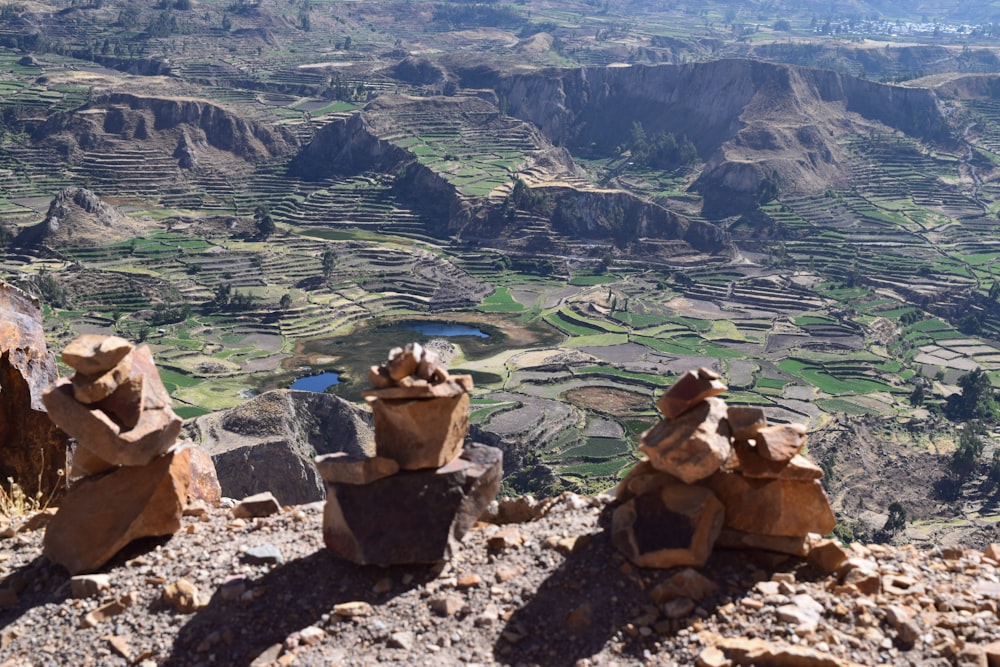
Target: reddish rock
[(641, 478), (779, 507), (687, 583), (102, 514), (345, 468), (692, 446), (92, 388), (745, 421), (752, 464), (828, 555), (780, 442), (420, 433), (257, 505), (204, 485), (690, 389), (33, 448), (93, 354), (736, 539), (416, 516), (671, 526), (106, 433)]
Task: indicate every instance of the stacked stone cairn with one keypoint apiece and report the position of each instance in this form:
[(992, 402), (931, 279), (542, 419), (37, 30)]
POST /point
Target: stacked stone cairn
[(714, 475), (422, 490), (129, 479)]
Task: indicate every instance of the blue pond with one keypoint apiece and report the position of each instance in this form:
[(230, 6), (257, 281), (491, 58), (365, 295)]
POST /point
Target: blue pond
[(317, 383), (445, 329)]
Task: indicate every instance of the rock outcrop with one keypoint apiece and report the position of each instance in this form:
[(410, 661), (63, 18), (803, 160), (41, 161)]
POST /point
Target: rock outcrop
[(268, 442), (80, 217), (32, 449), (130, 479)]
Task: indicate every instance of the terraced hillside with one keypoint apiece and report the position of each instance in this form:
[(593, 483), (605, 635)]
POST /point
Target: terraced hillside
[(828, 242)]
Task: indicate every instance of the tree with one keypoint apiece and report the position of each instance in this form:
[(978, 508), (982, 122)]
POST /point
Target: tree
[(897, 519), (329, 262), (917, 395), (976, 400), (966, 457), (286, 301), (223, 295), (265, 223)]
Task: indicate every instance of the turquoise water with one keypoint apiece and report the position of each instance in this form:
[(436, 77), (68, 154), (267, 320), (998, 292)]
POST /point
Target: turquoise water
[(317, 383)]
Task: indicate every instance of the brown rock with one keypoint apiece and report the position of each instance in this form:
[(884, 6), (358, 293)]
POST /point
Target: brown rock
[(668, 527), (447, 605), (780, 442), (102, 514), (507, 537), (993, 653), (778, 507), (103, 613), (737, 539), (83, 463), (33, 447), (641, 478), (183, 596), (92, 388), (345, 468), (992, 551), (690, 389), (93, 354), (687, 583), (257, 505), (828, 555), (753, 465), (204, 485), (414, 516), (404, 363), (745, 421), (744, 651), (420, 433), (156, 426), (692, 446)]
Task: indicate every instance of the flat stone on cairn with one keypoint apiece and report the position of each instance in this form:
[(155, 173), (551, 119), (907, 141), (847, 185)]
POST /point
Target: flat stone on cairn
[(717, 475), (421, 413), (415, 499), (129, 478)]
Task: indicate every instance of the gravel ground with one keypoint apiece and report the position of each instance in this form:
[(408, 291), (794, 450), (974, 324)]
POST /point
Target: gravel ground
[(551, 591)]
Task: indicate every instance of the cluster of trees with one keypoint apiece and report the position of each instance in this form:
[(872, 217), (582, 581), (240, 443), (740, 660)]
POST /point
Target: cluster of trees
[(662, 151), (228, 299)]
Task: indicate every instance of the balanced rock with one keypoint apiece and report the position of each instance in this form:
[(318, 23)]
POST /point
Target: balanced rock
[(778, 507), (752, 464), (670, 526), (101, 514), (690, 389), (129, 429), (93, 354), (344, 468), (780, 442), (421, 413), (414, 516), (693, 445), (745, 421)]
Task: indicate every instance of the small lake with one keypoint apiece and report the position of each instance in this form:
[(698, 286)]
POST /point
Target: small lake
[(444, 329), (318, 383)]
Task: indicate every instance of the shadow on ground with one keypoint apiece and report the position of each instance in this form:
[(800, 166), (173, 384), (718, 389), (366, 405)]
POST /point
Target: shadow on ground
[(288, 598)]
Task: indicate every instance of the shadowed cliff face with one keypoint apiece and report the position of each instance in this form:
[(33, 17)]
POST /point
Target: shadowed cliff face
[(167, 122), (748, 119), (32, 449)]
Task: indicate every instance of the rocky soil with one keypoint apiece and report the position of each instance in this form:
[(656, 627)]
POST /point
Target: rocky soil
[(549, 591)]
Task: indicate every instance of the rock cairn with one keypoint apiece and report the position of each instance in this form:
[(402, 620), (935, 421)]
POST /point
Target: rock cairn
[(414, 500), (129, 480), (717, 475)]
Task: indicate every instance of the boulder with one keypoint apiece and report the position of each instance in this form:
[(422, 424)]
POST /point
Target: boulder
[(267, 443), (670, 526), (693, 445), (420, 433), (414, 516), (103, 513), (776, 507), (32, 448), (690, 389), (344, 468)]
